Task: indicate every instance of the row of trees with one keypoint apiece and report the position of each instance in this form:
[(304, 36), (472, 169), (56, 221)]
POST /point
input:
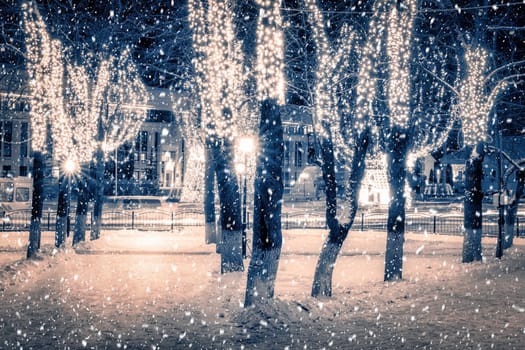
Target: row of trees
[(383, 108), (88, 115), (384, 84)]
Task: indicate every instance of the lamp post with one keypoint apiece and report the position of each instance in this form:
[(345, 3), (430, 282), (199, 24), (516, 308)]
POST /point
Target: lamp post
[(70, 168), (246, 146)]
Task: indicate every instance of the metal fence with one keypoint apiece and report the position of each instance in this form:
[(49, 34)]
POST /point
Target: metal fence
[(168, 220)]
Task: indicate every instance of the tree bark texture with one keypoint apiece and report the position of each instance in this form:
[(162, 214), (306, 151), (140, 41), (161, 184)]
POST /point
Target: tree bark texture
[(82, 210), (98, 195), (268, 193), (98, 191), (472, 212), (61, 218), (512, 210), (322, 284), (209, 194), (37, 204), (230, 209), (396, 158)]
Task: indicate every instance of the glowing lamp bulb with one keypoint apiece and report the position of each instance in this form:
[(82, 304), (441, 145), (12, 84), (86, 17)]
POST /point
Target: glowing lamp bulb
[(70, 166)]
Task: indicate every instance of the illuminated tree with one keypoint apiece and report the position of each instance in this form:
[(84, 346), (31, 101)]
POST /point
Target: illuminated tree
[(118, 100), (268, 186), (45, 69), (338, 139), (219, 78), (474, 103)]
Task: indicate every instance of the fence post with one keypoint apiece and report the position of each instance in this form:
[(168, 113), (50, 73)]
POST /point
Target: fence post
[(247, 221), (434, 224), (517, 226), (172, 221), (286, 221), (133, 219), (48, 220), (362, 221)]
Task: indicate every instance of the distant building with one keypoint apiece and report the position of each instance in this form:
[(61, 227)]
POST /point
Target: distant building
[(299, 142)]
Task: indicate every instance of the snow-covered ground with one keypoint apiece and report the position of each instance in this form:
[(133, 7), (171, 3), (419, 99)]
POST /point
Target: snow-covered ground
[(138, 289)]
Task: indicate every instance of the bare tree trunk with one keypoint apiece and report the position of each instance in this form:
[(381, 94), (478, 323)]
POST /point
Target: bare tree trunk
[(209, 194), (37, 204), (82, 210), (61, 218), (322, 285), (98, 198), (268, 188), (396, 211), (512, 210), (472, 213), (230, 206)]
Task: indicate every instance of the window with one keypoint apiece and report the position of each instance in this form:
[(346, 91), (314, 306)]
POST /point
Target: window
[(6, 191), (298, 154), (22, 194), (7, 138), (159, 116), (23, 170), (24, 137), (6, 170)]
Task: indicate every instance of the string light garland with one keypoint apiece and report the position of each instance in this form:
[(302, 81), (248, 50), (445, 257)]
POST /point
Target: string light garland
[(473, 102), (332, 65), (400, 29), (270, 52), (366, 89), (125, 97), (218, 65), (66, 98)]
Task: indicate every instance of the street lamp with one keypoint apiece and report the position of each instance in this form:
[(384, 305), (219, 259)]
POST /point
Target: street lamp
[(70, 167), (246, 146)]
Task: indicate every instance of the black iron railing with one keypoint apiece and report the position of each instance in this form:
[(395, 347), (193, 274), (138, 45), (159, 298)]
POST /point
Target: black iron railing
[(169, 220)]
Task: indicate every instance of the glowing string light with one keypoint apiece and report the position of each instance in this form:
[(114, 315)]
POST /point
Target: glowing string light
[(270, 52), (398, 48), (474, 103), (332, 64)]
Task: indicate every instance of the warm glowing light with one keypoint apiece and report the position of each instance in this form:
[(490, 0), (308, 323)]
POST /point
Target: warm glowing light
[(270, 52), (474, 103), (70, 167), (400, 30), (332, 66), (67, 98), (367, 82), (218, 63), (246, 145)]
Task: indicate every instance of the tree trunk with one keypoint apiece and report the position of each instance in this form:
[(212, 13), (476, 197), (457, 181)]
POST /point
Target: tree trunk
[(395, 239), (512, 210), (322, 284), (82, 210), (37, 204), (98, 191), (61, 218), (230, 207), (268, 188), (209, 194), (472, 212)]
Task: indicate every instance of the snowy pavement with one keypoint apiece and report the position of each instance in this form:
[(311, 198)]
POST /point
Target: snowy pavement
[(163, 290)]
